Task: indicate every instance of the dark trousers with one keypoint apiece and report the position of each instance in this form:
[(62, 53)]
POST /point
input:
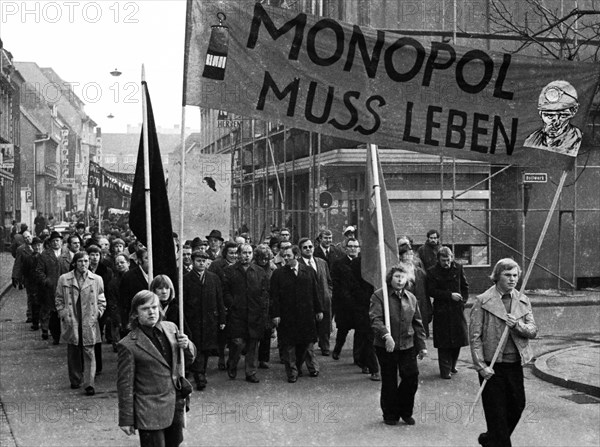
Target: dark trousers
[(54, 325), (503, 401), (247, 345), (198, 368), (32, 294), (171, 436), (98, 354), (81, 363), (312, 364), (47, 307), (264, 346), (366, 350), (340, 339), (104, 323), (221, 344), (323, 332), (397, 400), (447, 358), (293, 356)]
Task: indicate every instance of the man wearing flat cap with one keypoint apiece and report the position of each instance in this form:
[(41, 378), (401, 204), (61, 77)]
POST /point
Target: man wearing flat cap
[(204, 312), (47, 272)]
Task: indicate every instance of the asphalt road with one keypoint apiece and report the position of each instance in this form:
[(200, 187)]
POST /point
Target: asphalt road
[(340, 407)]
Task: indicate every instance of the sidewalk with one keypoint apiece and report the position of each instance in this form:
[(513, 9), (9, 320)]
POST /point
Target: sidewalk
[(575, 368)]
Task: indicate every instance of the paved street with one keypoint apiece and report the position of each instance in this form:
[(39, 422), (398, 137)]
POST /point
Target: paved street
[(341, 407)]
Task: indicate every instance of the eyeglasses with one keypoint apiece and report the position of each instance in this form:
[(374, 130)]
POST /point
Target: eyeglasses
[(352, 246), (305, 247)]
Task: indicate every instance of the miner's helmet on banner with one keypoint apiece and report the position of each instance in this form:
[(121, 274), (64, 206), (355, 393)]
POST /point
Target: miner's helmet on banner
[(558, 95)]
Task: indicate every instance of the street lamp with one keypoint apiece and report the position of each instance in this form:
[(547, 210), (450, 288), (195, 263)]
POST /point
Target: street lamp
[(40, 138), (115, 72), (110, 116)]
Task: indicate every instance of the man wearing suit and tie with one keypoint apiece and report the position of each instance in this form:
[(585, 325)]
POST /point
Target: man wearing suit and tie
[(326, 250), (151, 389), (326, 285), (296, 309)]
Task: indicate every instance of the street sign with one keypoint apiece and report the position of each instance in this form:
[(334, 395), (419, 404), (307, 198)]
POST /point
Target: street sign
[(28, 196), (535, 177)]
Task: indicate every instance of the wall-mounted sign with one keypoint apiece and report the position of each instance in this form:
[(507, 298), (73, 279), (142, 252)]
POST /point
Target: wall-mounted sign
[(535, 177)]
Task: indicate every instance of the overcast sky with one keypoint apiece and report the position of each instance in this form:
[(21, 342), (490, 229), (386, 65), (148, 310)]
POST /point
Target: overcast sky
[(83, 41)]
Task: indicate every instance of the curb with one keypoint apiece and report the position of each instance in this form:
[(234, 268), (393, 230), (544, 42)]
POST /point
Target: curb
[(541, 370)]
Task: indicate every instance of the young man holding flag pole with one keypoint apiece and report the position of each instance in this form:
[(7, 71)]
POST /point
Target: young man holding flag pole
[(134, 366), (401, 338)]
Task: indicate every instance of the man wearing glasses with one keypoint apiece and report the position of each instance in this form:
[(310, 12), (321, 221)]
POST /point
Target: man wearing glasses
[(326, 285), (344, 284)]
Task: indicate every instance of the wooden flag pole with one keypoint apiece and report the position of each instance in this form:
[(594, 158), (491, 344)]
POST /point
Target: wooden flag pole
[(380, 239), (181, 238), (147, 178), (500, 347)]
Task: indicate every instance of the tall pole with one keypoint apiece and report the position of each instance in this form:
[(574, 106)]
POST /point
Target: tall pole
[(380, 241), (147, 178), (181, 209)]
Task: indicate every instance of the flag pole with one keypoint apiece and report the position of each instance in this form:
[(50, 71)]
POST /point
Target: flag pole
[(500, 347), (147, 177), (380, 240), (182, 239)]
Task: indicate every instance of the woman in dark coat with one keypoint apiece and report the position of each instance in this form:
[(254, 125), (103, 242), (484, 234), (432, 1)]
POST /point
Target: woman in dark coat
[(204, 312), (447, 285)]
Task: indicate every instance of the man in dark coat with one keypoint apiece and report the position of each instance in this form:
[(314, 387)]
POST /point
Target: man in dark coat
[(47, 272), (19, 279), (447, 285), (227, 257), (326, 287), (344, 283), (247, 296), (427, 252), (296, 306), (204, 312), (133, 281), (326, 250), (106, 274), (363, 334)]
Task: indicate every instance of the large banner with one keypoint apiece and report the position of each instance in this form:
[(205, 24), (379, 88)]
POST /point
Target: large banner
[(110, 188), (379, 87)]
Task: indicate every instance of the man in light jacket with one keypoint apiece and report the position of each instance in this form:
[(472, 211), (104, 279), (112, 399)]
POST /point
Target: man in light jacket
[(80, 302), (152, 392), (499, 307)]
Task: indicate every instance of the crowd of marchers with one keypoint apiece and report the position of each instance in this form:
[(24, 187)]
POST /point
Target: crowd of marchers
[(239, 299)]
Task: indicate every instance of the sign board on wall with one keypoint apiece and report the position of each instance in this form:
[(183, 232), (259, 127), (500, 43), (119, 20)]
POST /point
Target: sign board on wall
[(538, 177), (207, 199)]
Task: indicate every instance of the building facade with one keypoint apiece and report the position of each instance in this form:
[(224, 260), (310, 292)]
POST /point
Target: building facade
[(10, 141), (306, 181)]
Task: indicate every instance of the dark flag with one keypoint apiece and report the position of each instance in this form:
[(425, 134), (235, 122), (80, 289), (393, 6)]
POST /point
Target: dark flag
[(163, 249), (371, 264)]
